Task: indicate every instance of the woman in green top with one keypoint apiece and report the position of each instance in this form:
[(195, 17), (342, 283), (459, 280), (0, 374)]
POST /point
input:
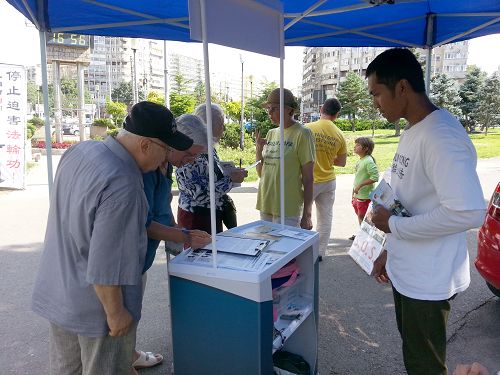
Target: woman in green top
[(365, 177), (299, 164)]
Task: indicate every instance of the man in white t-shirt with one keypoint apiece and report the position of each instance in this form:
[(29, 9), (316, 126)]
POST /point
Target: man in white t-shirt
[(434, 176)]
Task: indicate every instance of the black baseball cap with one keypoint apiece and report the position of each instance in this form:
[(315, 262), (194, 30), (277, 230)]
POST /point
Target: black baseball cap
[(153, 120)]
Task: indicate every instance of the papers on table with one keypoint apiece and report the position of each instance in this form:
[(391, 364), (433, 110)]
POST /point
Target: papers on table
[(244, 246), (298, 235), (231, 261)]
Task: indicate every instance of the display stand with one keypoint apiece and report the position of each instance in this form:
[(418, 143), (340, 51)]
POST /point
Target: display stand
[(222, 318)]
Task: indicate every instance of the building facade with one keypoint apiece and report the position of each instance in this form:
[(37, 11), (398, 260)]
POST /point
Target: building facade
[(324, 68)]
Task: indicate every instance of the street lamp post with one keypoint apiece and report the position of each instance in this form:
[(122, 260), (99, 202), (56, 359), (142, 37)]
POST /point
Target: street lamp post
[(242, 135), (251, 100), (98, 101), (133, 47)]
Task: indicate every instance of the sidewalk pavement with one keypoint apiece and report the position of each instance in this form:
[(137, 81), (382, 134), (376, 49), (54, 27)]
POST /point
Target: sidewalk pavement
[(24, 335)]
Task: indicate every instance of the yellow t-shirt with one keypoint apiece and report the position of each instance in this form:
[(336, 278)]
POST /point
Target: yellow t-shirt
[(299, 150), (330, 142)]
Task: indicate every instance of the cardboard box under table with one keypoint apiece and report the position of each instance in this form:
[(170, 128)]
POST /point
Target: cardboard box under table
[(222, 318)]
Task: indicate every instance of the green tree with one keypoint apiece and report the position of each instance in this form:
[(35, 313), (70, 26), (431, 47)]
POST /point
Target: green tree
[(156, 97), (199, 92), (444, 93), (232, 110), (33, 95), (181, 103), (117, 111), (489, 103), (469, 96), (353, 94), (123, 93)]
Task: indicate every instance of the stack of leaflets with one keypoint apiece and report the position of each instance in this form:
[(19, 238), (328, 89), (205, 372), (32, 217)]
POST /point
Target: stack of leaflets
[(370, 241)]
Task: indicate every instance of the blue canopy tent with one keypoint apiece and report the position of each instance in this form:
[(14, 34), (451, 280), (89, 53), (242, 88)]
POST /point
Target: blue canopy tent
[(388, 23)]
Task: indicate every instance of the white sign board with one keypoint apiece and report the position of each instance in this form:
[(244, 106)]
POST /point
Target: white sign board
[(252, 25), (12, 125)]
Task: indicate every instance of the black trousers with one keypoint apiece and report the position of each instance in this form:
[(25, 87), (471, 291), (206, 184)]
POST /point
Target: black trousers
[(422, 326)]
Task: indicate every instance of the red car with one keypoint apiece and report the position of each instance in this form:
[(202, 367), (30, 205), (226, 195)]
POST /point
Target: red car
[(488, 245)]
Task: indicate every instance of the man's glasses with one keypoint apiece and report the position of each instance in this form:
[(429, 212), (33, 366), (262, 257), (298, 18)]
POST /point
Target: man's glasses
[(272, 108)]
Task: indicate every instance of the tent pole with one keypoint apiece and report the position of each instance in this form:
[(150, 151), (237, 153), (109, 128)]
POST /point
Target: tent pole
[(210, 148), (45, 89), (428, 69), (165, 75), (431, 19), (282, 127)]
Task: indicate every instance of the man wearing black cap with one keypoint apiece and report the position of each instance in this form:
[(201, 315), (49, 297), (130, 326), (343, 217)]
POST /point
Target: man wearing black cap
[(89, 282)]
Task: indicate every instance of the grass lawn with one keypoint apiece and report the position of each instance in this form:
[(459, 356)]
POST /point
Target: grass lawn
[(385, 147)]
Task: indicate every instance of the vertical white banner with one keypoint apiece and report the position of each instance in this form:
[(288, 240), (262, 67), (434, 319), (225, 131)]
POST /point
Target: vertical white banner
[(13, 104)]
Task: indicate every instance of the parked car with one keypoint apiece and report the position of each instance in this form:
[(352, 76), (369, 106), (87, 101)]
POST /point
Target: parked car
[(71, 129), (488, 245)]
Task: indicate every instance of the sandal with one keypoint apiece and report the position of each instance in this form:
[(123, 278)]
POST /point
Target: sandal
[(147, 359)]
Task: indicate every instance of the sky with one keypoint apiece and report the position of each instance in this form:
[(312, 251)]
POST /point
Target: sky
[(19, 44)]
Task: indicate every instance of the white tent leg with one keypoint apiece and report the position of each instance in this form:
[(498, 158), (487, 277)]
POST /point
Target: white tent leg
[(208, 103), (282, 127), (45, 89)]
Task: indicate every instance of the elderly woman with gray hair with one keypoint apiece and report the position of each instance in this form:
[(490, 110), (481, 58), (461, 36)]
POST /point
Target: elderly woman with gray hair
[(193, 181)]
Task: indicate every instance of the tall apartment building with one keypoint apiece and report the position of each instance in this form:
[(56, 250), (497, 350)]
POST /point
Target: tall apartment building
[(324, 68)]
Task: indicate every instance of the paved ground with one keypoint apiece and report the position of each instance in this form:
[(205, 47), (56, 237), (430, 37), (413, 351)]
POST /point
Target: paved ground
[(357, 328)]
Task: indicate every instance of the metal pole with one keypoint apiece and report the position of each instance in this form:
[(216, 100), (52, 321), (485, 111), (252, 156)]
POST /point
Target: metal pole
[(81, 101), (210, 147), (431, 18), (251, 99), (110, 86), (97, 92), (134, 77), (282, 122), (242, 135), (45, 89), (165, 74), (57, 100), (428, 66)]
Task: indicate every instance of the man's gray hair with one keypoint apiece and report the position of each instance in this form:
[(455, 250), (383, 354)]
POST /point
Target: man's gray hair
[(194, 128), (217, 115)]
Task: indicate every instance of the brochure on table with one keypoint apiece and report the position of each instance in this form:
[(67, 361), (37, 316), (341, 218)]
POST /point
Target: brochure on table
[(234, 271)]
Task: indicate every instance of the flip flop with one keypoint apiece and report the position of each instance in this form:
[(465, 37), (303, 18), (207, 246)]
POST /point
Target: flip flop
[(147, 359)]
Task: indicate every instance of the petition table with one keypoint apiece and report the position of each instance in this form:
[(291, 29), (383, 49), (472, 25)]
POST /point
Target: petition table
[(222, 318)]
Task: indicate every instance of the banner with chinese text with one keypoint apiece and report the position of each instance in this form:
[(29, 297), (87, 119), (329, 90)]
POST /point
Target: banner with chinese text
[(12, 125)]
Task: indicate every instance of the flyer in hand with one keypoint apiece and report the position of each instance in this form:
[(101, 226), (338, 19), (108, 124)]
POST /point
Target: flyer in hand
[(370, 241)]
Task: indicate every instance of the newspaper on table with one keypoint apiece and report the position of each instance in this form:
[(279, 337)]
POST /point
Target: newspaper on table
[(370, 241), (203, 257)]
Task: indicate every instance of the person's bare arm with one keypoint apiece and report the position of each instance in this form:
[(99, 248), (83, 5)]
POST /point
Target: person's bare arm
[(307, 183), (193, 238), (259, 146), (117, 316)]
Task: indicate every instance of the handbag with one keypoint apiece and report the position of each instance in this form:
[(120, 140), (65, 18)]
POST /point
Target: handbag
[(228, 212)]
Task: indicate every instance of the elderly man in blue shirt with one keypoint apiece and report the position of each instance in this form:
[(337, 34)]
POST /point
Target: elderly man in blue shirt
[(89, 283)]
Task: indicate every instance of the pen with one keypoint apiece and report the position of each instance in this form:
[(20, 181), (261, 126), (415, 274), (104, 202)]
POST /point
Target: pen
[(240, 163)]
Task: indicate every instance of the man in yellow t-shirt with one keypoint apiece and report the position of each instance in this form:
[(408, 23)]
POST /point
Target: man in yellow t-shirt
[(331, 151)]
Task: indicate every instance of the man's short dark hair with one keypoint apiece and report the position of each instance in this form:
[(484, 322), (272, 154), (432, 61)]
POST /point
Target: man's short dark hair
[(395, 64), (331, 107)]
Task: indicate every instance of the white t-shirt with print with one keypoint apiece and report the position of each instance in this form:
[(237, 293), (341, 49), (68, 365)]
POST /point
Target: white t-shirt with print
[(434, 176)]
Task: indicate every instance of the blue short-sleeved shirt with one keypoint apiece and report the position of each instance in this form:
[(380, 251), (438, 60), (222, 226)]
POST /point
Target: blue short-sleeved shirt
[(96, 235), (158, 189)]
